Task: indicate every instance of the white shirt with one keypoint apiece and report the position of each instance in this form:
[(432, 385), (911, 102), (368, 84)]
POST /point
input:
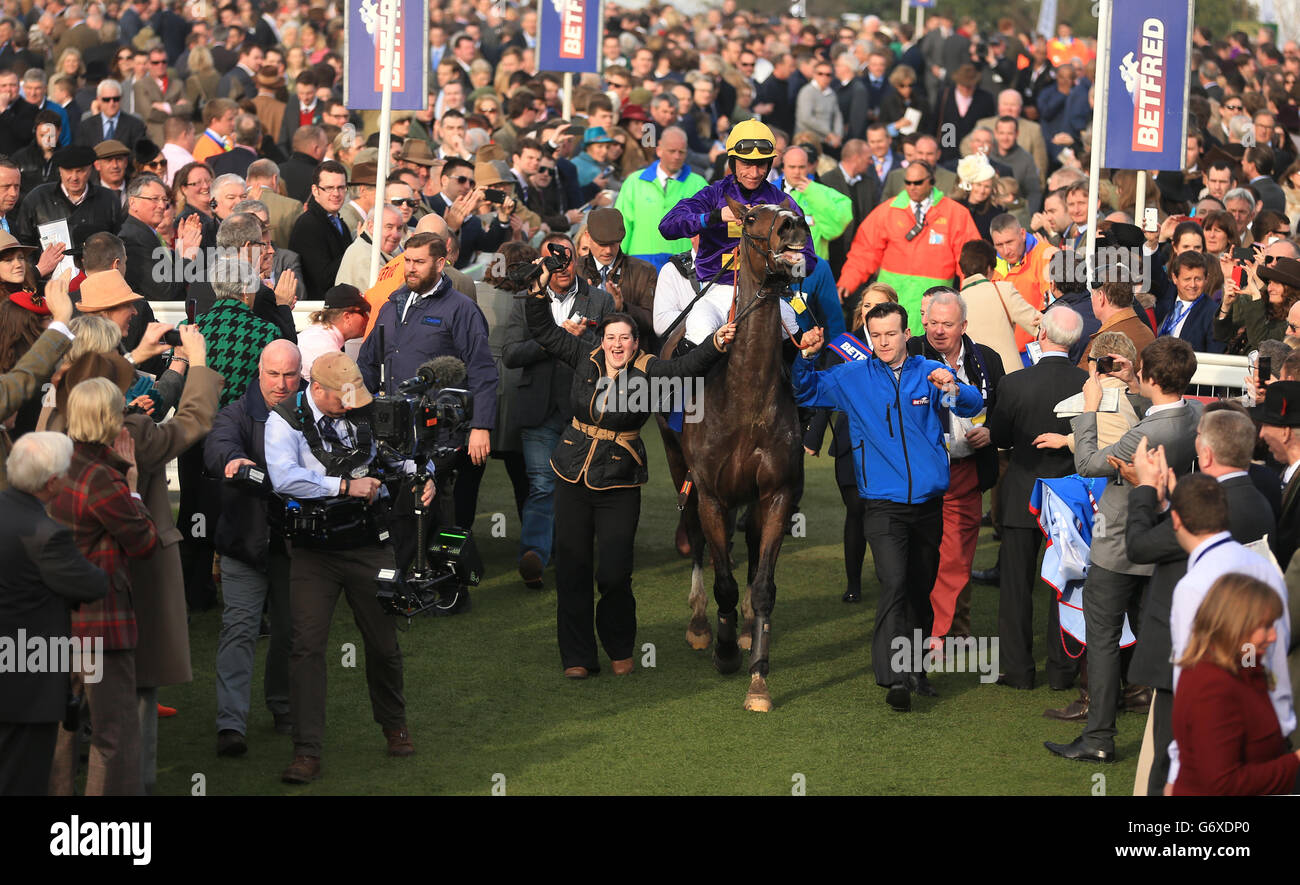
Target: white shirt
[(315, 341), (958, 426), (562, 304), (1214, 557), (1289, 472), (177, 158), (1155, 410), (850, 180), (672, 293), (1185, 307)]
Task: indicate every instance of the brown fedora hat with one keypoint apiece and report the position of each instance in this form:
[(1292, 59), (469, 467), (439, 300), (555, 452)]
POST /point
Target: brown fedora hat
[(416, 150), (8, 241), (105, 290), (93, 365), (486, 175), (364, 173), (1283, 270), (268, 77)]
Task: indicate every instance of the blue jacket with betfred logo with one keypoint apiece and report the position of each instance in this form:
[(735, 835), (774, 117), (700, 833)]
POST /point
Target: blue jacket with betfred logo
[(896, 425)]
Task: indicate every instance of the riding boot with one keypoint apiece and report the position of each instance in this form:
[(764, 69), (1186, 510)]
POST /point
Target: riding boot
[(758, 652), (683, 347), (726, 653)]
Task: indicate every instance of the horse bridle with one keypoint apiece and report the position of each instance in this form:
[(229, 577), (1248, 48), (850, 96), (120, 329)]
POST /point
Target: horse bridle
[(770, 257)]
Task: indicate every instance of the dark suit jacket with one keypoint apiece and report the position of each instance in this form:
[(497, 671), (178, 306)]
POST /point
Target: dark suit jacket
[(854, 102), (545, 383), (864, 195), (18, 126), (130, 130), (296, 173), (982, 105), (289, 126), (1270, 194), (142, 244), (234, 161), (779, 94), (44, 573), (320, 245), (986, 459), (1198, 328), (1025, 408), (237, 84), (1150, 539), (1286, 540)]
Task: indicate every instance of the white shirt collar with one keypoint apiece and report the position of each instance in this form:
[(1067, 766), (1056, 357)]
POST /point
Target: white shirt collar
[(1233, 475), (1164, 408), (1289, 472), (1200, 548)]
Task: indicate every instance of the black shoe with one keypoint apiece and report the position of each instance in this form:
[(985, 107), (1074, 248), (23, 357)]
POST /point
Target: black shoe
[(530, 569), (852, 595), (899, 698), (991, 576), (455, 602), (1136, 699), (1011, 683), (1080, 752), (231, 743), (920, 684)]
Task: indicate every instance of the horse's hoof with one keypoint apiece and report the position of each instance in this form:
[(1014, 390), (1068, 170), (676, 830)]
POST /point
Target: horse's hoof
[(726, 662), (699, 636), (757, 699)]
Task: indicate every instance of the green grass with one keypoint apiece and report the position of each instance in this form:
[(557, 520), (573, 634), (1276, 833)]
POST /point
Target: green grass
[(485, 696)]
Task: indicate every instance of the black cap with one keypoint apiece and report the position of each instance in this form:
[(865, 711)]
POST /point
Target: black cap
[(74, 156), (146, 151), (1117, 233), (1281, 406), (344, 296)]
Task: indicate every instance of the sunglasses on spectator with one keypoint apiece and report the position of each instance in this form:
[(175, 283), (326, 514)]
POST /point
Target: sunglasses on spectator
[(404, 201), (160, 163), (916, 183), (545, 170), (110, 98), (1234, 107), (462, 179)]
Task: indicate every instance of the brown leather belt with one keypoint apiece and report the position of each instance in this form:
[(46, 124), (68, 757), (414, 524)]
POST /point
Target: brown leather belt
[(621, 437)]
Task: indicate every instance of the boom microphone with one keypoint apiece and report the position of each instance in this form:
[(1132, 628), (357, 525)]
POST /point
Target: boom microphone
[(444, 371)]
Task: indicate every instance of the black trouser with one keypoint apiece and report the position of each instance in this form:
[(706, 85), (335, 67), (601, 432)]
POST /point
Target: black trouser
[(1107, 597), (26, 753), (855, 541), (1018, 562), (1162, 735), (458, 484), (518, 473), (609, 519), (904, 541), (200, 495)]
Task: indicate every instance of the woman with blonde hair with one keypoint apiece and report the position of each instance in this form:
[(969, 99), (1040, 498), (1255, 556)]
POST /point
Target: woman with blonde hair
[(975, 180), (201, 84), (101, 505), (1229, 740), (71, 64)]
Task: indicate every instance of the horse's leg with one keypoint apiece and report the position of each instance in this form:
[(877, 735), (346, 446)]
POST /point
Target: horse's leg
[(713, 520), (774, 512), (752, 543), (699, 635), (677, 470)]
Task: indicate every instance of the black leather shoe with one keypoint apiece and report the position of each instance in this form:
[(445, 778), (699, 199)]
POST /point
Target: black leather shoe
[(231, 743), (851, 595), (920, 684), (1080, 752), (991, 576), (1011, 683), (1136, 699), (899, 698), (1075, 711)]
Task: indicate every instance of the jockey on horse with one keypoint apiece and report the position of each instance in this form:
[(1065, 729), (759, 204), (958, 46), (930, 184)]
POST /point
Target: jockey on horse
[(751, 149)]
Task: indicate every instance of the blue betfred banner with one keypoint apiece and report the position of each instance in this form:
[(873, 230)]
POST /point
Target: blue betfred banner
[(1146, 110), (924, 4), (568, 35), (363, 80)]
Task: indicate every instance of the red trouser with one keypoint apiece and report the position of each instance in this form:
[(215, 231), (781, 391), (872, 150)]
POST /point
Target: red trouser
[(961, 528)]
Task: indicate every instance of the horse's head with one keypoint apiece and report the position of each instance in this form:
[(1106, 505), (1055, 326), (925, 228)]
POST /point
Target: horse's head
[(772, 239)]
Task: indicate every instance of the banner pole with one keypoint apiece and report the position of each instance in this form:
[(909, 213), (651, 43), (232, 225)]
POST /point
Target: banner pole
[(1099, 104), (568, 95), (902, 15), (920, 22), (1139, 208), (388, 38)]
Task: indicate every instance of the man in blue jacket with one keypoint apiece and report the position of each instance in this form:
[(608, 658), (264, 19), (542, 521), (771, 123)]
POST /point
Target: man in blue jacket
[(897, 407)]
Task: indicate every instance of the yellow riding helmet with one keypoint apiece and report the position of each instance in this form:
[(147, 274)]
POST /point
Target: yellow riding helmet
[(751, 140)]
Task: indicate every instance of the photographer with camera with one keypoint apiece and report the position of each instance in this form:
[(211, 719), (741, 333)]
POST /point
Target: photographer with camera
[(321, 455), (254, 558), (424, 319), (602, 460)]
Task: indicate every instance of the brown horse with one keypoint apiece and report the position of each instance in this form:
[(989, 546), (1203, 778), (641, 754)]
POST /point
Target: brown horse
[(747, 450)]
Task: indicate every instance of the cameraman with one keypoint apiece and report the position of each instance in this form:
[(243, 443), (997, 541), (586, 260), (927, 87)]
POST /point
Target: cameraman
[(424, 319), (312, 455), (254, 558)]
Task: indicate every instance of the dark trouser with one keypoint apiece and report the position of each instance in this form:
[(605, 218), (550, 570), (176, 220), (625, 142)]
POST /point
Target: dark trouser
[(26, 752), (609, 518), (245, 589), (855, 541), (1107, 597), (199, 496), (316, 579), (458, 491), (904, 541), (1018, 562), (518, 473), (1162, 735)]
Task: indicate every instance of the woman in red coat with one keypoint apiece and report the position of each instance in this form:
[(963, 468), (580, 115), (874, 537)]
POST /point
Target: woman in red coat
[(111, 525), (1229, 740)]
